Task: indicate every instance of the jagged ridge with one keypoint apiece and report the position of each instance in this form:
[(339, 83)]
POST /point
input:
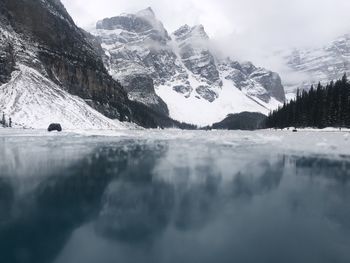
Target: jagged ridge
[(319, 64), (42, 36), (196, 86)]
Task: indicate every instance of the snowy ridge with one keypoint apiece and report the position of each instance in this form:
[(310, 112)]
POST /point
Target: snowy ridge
[(33, 101), (317, 64), (196, 86)]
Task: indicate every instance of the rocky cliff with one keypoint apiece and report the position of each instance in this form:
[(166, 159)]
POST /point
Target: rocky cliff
[(41, 36), (196, 86)]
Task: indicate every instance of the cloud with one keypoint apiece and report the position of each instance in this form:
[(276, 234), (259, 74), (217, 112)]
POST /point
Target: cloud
[(247, 29)]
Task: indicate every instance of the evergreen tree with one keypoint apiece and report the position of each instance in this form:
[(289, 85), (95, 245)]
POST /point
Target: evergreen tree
[(321, 107), (3, 122), (344, 79)]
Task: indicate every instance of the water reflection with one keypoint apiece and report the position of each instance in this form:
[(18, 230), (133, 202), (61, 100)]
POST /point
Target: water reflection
[(134, 211), (6, 199), (135, 201)]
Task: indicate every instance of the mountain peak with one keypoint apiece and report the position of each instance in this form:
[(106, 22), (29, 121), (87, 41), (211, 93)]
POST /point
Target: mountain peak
[(186, 31), (184, 72), (142, 21), (199, 29), (148, 12)]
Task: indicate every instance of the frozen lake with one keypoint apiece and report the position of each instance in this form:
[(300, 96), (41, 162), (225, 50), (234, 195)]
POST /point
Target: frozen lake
[(174, 196)]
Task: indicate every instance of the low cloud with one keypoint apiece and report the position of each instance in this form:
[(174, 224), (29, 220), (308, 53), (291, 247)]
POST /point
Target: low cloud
[(245, 29)]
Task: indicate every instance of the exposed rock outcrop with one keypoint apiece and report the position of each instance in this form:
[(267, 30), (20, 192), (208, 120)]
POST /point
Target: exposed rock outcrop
[(186, 74), (42, 36)]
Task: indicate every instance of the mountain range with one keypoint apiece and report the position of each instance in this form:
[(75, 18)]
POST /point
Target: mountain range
[(53, 71), (178, 74), (318, 64), (129, 68)]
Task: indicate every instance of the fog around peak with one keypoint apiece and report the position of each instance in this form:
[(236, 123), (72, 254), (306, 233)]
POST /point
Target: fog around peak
[(252, 30)]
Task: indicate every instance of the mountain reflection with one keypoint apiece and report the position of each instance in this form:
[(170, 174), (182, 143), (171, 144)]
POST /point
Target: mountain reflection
[(134, 211), (35, 226), (133, 200)]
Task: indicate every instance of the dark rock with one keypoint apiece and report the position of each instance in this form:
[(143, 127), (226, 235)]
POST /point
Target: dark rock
[(197, 57), (141, 88), (185, 90), (246, 77), (55, 127), (271, 82), (248, 68), (206, 93), (7, 61)]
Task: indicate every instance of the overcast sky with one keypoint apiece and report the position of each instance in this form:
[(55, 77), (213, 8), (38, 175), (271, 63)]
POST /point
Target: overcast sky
[(247, 29)]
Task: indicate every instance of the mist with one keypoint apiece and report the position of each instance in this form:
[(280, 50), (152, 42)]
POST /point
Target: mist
[(252, 30)]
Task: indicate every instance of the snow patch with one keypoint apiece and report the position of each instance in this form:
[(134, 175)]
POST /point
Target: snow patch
[(198, 111), (33, 101)]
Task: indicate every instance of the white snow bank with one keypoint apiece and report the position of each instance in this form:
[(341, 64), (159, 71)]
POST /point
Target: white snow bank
[(198, 111), (309, 129), (33, 101), (265, 142)]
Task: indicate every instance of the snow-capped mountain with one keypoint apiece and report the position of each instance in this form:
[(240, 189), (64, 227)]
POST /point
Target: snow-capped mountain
[(40, 36), (46, 62), (323, 64), (181, 70), (33, 101)]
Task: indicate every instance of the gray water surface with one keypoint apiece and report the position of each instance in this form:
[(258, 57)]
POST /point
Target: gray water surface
[(174, 197)]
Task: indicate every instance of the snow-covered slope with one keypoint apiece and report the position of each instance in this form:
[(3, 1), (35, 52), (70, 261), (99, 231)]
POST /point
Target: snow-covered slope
[(196, 86), (42, 36), (34, 101), (202, 112), (323, 64)]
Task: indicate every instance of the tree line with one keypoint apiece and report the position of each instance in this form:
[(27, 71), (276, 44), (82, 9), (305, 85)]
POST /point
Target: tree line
[(5, 123), (320, 107)]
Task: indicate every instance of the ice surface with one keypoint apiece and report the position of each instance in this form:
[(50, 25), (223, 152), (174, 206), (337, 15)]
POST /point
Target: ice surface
[(175, 196), (328, 142), (35, 154)]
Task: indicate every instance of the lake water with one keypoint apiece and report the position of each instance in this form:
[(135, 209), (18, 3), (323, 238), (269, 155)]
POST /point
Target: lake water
[(171, 196)]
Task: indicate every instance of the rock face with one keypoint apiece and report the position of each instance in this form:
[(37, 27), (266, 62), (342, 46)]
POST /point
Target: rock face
[(140, 88), (195, 56), (255, 82), (7, 60), (32, 100), (140, 29), (39, 35), (323, 64), (196, 86)]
